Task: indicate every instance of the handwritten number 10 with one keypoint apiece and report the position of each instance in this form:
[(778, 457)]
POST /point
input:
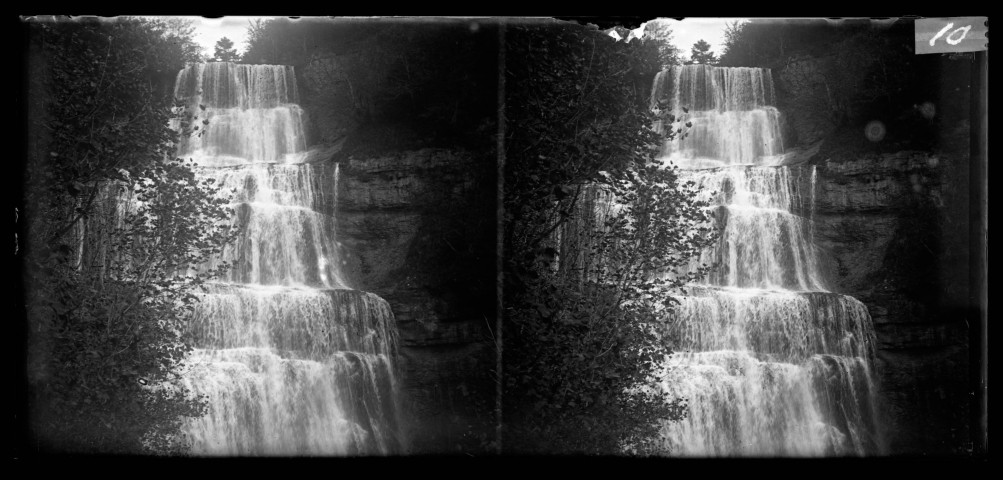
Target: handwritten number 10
[(964, 31)]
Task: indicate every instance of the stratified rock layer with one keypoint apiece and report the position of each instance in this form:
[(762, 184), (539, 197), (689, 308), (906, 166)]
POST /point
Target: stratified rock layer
[(402, 220), (895, 227)]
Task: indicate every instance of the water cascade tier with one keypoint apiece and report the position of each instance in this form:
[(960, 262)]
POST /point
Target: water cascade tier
[(291, 360), (769, 361)]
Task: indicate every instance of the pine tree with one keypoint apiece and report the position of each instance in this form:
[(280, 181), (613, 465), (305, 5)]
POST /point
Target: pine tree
[(700, 53), (225, 51)]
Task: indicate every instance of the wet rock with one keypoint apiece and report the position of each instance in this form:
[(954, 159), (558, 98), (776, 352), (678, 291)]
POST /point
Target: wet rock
[(405, 181), (410, 225), (884, 224)]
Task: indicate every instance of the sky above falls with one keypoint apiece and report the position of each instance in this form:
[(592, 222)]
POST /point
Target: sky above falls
[(686, 32), (208, 31)]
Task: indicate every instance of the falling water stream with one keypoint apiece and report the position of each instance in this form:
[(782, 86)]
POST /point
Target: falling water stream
[(291, 360), (769, 361)]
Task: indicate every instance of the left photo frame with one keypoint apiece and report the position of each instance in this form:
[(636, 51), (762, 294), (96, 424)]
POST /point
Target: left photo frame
[(286, 251)]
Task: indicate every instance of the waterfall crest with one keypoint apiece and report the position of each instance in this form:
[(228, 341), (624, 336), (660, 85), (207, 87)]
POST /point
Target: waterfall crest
[(729, 109), (770, 362), (292, 361), (251, 110)]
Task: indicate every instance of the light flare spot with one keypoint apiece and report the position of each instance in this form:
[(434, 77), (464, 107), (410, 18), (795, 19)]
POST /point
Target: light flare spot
[(875, 131)]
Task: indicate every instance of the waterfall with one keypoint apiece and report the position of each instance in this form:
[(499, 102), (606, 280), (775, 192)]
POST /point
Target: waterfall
[(251, 112), (291, 360), (732, 121), (769, 361)]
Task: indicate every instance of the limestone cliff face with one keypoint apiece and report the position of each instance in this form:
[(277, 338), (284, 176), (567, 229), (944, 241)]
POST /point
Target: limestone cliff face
[(418, 229), (894, 230), (415, 227)]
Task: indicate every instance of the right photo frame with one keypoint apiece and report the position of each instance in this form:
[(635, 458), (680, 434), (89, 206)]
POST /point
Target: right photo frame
[(744, 237)]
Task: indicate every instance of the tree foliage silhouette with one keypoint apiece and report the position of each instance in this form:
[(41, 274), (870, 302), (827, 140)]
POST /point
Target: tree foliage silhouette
[(591, 219), (108, 286), (225, 51), (660, 34), (701, 54)]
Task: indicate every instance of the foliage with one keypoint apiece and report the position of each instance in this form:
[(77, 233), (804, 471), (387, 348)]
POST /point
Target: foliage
[(593, 226), (660, 33), (225, 52), (109, 285), (180, 31), (701, 54), (768, 43)]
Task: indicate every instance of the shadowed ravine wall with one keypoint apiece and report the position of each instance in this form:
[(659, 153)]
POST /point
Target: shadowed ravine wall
[(418, 227), (895, 227)]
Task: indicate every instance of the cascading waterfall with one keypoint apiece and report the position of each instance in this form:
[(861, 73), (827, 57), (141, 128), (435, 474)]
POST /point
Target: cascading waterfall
[(730, 112), (769, 361), (292, 361)]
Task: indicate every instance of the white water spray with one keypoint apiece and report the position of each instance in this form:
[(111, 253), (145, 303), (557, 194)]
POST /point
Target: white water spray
[(291, 360), (769, 361)]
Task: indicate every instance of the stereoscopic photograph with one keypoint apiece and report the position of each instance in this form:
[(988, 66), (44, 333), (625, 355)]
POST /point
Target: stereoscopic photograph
[(518, 236)]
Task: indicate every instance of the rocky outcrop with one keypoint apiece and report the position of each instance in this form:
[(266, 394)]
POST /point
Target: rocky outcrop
[(415, 225), (418, 229), (893, 228)]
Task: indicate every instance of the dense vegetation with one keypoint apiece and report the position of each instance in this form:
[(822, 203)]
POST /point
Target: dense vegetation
[(591, 222), (106, 287), (659, 34)]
